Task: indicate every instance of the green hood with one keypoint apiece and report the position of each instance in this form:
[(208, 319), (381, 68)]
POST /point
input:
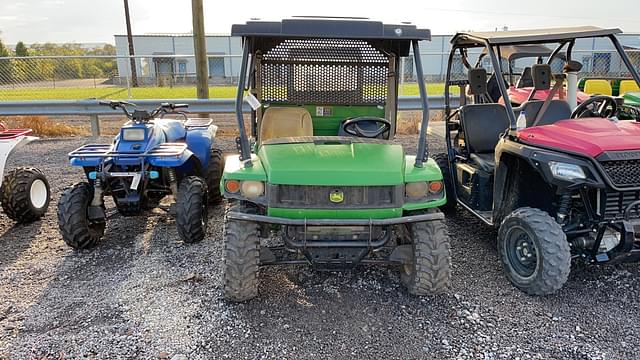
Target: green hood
[(632, 98), (347, 164)]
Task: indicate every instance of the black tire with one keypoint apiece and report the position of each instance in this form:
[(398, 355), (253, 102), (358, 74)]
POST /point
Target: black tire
[(76, 229), (241, 257), (443, 163), (22, 194), (430, 270), (191, 209), (534, 251), (214, 176)]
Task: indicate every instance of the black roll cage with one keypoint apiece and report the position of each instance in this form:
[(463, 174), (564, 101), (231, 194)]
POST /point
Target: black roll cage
[(320, 28), (493, 50)]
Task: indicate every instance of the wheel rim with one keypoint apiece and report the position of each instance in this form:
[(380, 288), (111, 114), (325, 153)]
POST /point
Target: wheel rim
[(38, 194), (521, 251)]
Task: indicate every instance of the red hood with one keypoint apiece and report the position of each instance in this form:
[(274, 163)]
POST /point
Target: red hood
[(520, 95), (588, 136)]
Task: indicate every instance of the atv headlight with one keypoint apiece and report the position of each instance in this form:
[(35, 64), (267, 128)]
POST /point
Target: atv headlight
[(416, 190), (133, 134), (564, 171), (252, 189)]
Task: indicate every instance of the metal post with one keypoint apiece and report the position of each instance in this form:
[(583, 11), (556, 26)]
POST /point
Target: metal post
[(422, 152), (95, 126), (200, 48), (134, 75), (243, 141)]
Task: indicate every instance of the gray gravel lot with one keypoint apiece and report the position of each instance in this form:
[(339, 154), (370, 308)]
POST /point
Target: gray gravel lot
[(142, 294)]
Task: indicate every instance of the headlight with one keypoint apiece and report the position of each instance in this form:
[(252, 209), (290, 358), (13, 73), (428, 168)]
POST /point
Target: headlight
[(252, 189), (133, 134), (416, 190), (566, 171)]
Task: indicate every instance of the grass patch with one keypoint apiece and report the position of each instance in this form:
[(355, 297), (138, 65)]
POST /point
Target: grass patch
[(43, 126), (183, 92)]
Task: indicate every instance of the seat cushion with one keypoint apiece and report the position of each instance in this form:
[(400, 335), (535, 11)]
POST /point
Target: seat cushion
[(557, 110), (598, 87), (483, 124), (628, 86), (282, 122), (485, 162), (526, 80)]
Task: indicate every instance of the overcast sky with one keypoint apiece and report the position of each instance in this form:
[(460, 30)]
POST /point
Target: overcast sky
[(82, 21)]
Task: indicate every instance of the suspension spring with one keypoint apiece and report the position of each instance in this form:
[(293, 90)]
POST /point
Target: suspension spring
[(564, 206), (172, 175)]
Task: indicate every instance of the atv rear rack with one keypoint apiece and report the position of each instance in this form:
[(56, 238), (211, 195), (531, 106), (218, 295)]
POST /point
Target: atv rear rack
[(106, 150)]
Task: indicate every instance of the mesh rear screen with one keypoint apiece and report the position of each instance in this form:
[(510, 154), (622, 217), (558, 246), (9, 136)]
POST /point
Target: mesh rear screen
[(324, 71)]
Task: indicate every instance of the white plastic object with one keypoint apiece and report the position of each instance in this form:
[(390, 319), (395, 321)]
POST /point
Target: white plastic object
[(572, 89), (521, 123), (252, 101), (8, 146)]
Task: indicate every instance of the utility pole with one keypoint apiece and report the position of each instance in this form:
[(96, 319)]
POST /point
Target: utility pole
[(134, 75), (200, 48)]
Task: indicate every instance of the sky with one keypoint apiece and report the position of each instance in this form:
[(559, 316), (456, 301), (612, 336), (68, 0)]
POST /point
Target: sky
[(91, 21)]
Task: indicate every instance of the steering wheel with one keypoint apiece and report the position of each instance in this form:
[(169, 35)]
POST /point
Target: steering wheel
[(366, 126), (597, 106)]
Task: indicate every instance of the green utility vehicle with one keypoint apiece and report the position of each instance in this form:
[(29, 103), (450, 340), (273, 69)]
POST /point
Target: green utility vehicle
[(318, 179)]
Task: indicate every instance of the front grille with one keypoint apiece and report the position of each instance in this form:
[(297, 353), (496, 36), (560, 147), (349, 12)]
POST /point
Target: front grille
[(319, 197), (614, 204), (623, 173)]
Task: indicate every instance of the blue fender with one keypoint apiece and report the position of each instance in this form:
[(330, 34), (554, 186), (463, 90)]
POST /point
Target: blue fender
[(85, 162), (200, 141), (170, 161)]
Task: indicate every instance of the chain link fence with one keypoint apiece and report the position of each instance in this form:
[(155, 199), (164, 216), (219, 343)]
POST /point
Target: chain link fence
[(174, 76)]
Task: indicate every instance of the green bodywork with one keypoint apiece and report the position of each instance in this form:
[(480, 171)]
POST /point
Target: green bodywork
[(355, 164), (632, 98)]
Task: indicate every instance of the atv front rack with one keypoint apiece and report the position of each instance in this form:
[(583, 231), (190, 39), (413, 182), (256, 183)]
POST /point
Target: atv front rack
[(106, 151)]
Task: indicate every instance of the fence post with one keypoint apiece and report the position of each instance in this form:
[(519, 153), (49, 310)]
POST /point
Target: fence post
[(95, 126)]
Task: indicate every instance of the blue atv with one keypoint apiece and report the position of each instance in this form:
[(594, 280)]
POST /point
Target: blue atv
[(152, 157)]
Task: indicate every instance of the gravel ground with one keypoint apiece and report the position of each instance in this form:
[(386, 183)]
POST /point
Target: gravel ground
[(142, 294)]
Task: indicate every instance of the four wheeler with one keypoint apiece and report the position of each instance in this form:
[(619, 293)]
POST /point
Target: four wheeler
[(565, 186), (24, 193), (150, 158), (320, 170)]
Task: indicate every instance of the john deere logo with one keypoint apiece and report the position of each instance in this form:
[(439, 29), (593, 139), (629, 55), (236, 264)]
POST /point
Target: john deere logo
[(336, 196)]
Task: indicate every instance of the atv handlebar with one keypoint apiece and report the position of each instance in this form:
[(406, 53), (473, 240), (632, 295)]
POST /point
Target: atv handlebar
[(143, 115)]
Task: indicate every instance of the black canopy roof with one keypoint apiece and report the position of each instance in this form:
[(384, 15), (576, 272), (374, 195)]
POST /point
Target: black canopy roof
[(324, 27), (539, 36), (513, 52)]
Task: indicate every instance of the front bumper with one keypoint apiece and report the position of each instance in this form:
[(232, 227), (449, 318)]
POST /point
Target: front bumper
[(305, 243), (334, 222)]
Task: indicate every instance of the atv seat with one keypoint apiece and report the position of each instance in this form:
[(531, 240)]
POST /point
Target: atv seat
[(526, 79), (482, 125), (282, 122), (557, 110)]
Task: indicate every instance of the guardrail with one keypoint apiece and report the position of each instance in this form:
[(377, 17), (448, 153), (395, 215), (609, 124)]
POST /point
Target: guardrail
[(93, 109)]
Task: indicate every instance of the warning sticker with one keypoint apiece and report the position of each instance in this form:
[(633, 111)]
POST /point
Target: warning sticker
[(323, 111)]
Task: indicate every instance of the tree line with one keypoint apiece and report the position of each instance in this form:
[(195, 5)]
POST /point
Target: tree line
[(15, 69)]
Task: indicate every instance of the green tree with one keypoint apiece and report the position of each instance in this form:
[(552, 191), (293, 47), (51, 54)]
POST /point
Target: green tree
[(5, 65), (21, 49)]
